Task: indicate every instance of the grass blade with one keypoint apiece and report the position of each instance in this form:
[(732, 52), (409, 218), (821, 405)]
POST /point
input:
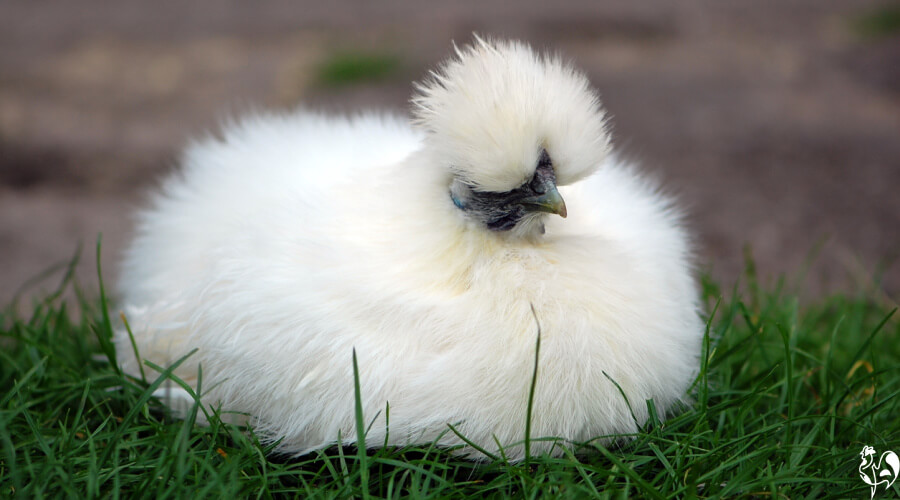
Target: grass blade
[(360, 431)]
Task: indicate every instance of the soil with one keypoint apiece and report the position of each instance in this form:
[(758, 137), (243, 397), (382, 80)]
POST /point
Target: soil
[(777, 124)]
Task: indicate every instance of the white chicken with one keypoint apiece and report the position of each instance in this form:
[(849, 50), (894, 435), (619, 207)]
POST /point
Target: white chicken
[(292, 240)]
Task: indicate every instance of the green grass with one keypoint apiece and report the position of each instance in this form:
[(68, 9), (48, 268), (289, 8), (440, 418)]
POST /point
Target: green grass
[(879, 22), (787, 397), (344, 68)]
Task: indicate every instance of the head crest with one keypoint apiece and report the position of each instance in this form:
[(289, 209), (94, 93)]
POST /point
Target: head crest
[(490, 110)]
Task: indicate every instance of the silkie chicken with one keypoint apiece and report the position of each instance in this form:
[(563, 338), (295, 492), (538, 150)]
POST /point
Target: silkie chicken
[(435, 249)]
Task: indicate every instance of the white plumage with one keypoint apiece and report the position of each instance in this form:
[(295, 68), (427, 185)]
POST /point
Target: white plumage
[(293, 239)]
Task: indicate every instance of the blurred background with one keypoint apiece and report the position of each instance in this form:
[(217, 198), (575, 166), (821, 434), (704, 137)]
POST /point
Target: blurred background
[(776, 122)]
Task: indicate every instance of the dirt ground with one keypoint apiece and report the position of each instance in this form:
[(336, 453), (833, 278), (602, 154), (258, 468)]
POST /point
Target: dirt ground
[(776, 122)]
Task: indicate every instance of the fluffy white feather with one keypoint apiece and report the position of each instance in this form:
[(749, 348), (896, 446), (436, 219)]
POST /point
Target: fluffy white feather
[(296, 238)]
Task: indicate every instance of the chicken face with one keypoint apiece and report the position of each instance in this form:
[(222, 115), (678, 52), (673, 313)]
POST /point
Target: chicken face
[(510, 126), (502, 211)]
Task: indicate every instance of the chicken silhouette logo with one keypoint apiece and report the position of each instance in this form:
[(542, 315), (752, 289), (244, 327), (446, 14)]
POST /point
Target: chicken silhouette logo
[(883, 472)]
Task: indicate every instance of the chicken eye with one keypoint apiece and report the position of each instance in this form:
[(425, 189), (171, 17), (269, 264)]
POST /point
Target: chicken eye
[(542, 173), (544, 159)]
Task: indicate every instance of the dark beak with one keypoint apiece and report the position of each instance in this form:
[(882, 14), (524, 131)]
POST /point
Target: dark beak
[(550, 202)]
